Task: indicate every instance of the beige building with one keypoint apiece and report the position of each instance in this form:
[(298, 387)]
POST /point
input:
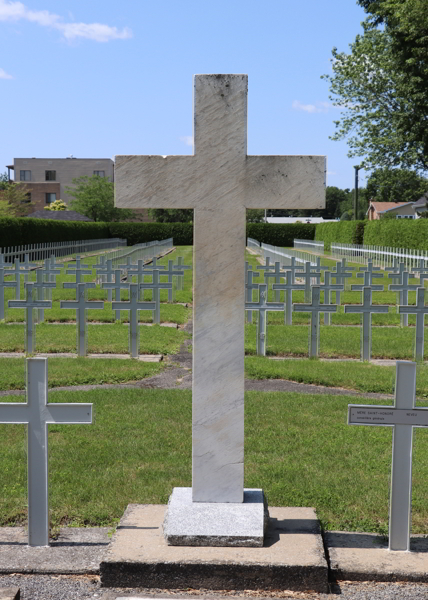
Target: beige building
[(47, 178)]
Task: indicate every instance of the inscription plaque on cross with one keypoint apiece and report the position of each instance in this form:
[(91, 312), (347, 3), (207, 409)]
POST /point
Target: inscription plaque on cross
[(402, 417), (220, 181)]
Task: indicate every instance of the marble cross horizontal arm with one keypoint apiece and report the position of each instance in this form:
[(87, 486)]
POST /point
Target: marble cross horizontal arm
[(220, 181)]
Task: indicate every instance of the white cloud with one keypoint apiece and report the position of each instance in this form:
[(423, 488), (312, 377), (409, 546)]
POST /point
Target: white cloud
[(15, 11), (319, 107), (187, 139), (4, 75), (331, 173)]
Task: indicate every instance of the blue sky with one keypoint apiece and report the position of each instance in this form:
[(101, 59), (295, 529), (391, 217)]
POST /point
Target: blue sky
[(100, 78)]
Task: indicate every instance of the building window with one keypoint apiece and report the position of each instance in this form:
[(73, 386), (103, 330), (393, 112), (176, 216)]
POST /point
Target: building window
[(25, 175), (50, 198), (27, 199), (99, 173), (405, 217), (50, 175)]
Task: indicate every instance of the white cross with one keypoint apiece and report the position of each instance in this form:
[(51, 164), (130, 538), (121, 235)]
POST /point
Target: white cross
[(250, 286), (156, 286), (340, 275), (263, 306), (404, 288), (308, 274), (420, 310), (315, 309), (328, 287), (38, 414), (370, 267), (171, 273), (359, 287), (17, 269), (106, 270), (422, 268), (117, 285), (79, 264), (4, 284), (278, 274), (133, 305), (181, 267), (367, 308), (293, 267), (402, 417), (289, 286), (80, 305), (220, 181), (40, 286), (29, 304), (79, 272), (50, 270)]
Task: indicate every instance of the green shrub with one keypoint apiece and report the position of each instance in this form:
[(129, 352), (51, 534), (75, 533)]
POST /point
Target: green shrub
[(138, 233), (397, 233), (280, 234), (345, 232)]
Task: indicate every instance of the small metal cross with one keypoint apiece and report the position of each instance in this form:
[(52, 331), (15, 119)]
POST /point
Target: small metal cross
[(315, 309), (80, 305)]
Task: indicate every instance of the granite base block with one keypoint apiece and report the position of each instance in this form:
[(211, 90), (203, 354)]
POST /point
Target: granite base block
[(235, 524)]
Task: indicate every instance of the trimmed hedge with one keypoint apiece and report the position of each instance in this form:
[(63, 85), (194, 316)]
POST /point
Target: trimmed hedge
[(280, 234), (23, 230), (397, 233), (345, 232), (138, 233)]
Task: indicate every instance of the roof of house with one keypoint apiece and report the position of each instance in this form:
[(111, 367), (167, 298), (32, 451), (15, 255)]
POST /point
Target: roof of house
[(422, 202), (59, 215), (381, 207)]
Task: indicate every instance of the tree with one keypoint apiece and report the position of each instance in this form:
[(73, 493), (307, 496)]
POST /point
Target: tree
[(396, 185), (171, 215), (15, 200), (57, 205), (382, 86), (255, 215), (94, 198), (4, 180)]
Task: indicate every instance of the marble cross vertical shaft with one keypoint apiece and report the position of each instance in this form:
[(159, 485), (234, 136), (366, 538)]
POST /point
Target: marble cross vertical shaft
[(80, 305), (220, 181), (133, 306), (30, 304), (367, 308), (420, 310), (315, 309), (402, 417), (38, 413)]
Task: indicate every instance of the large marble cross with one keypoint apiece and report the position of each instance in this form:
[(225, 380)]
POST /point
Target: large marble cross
[(220, 181)]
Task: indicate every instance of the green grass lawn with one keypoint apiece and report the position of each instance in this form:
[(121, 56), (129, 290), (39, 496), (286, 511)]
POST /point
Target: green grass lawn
[(298, 448)]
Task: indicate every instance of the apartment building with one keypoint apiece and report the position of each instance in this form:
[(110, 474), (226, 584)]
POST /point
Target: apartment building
[(47, 178)]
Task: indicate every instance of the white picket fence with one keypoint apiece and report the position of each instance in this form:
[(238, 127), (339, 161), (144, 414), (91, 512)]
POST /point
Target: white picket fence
[(38, 252), (144, 251), (313, 246), (279, 254), (380, 255)]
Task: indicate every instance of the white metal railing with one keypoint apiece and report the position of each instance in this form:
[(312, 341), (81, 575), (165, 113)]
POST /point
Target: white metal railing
[(313, 246), (279, 254), (380, 255), (38, 252), (145, 251)]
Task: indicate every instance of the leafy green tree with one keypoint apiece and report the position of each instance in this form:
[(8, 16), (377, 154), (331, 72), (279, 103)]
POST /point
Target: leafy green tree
[(15, 200), (396, 185), (4, 180), (57, 205), (94, 198), (382, 87), (171, 215), (255, 215)]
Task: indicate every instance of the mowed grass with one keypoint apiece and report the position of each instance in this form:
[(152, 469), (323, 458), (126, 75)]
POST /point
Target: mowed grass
[(298, 448), (78, 371), (359, 376), (102, 339)]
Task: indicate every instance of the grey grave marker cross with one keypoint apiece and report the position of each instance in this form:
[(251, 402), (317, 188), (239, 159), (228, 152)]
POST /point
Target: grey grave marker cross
[(402, 417), (293, 267), (79, 264), (171, 273), (40, 286), (29, 266), (30, 304), (278, 274), (367, 308), (359, 287), (315, 309), (417, 271), (16, 270), (328, 287), (250, 286), (117, 285), (4, 284), (262, 306), (220, 181), (181, 267), (50, 270), (107, 270), (80, 305), (288, 287), (340, 275), (156, 286), (37, 413), (404, 288), (420, 310), (133, 305), (308, 274)]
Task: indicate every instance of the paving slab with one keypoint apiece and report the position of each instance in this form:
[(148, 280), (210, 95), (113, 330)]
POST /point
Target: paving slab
[(78, 550), (365, 557), (292, 556)]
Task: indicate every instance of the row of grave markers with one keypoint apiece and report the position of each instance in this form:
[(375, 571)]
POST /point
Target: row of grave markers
[(38, 413), (315, 308)]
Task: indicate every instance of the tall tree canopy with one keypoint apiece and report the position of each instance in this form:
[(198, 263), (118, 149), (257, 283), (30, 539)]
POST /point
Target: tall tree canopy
[(396, 185), (94, 198), (382, 86)]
